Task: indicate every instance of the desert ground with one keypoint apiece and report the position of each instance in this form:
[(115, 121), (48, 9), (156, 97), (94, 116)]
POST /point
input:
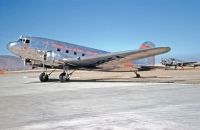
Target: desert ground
[(185, 76), (159, 100)]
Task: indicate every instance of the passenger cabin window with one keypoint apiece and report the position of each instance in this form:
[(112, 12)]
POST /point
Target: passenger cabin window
[(75, 53), (67, 51), (58, 49)]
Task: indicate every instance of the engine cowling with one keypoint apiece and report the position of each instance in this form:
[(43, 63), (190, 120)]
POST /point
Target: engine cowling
[(50, 57)]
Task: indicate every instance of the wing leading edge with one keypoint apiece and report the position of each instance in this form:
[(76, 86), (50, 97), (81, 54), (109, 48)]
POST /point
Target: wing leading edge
[(114, 57)]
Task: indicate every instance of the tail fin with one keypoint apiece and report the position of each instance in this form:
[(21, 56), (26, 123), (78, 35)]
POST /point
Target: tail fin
[(150, 60)]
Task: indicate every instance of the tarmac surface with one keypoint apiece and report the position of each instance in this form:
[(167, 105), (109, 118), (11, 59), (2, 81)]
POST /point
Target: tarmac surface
[(126, 103)]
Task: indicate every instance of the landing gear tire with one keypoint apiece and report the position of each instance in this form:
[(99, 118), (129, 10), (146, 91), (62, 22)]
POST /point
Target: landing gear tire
[(43, 77), (63, 77), (46, 77)]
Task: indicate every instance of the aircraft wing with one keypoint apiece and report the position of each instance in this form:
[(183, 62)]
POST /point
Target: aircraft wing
[(197, 64), (187, 63), (114, 57)]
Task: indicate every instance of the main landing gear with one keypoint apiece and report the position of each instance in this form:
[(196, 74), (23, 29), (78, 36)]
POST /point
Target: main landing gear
[(44, 77), (63, 77)]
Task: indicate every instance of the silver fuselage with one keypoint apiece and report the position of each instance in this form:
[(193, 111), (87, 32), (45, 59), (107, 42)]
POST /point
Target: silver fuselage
[(35, 48)]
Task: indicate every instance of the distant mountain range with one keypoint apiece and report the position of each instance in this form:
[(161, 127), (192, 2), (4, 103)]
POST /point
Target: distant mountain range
[(10, 63)]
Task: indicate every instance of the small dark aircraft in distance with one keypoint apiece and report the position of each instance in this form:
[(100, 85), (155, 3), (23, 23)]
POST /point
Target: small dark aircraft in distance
[(47, 53)]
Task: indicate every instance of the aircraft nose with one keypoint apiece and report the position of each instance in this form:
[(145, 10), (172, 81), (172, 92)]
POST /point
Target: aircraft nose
[(11, 45)]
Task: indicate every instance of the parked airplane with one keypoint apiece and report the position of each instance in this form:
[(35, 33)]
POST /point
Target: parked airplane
[(196, 64), (177, 63), (47, 53)]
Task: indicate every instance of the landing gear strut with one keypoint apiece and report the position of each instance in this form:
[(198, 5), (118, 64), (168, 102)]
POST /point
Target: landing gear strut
[(137, 75), (44, 77)]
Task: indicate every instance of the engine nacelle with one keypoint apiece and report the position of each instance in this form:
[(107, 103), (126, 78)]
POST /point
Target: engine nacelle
[(49, 57)]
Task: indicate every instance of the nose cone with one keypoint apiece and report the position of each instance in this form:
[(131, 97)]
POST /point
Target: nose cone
[(11, 46)]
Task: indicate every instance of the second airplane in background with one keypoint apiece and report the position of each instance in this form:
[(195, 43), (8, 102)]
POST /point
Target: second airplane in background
[(47, 53), (172, 62)]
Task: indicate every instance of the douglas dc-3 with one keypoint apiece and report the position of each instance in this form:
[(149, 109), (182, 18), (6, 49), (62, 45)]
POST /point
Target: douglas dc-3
[(178, 63), (47, 53)]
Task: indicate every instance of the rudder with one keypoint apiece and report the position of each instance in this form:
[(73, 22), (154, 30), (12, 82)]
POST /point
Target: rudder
[(150, 60)]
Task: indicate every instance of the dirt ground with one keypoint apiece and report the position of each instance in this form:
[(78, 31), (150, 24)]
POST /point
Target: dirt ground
[(184, 76)]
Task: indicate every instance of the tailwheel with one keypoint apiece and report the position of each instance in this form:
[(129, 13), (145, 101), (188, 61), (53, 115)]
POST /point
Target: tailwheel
[(137, 75), (63, 77), (43, 77)]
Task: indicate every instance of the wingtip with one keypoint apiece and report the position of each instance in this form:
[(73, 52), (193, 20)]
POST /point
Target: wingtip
[(165, 49), (168, 49)]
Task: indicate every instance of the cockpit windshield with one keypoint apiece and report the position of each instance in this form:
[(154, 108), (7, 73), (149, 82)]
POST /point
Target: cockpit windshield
[(20, 40), (24, 40)]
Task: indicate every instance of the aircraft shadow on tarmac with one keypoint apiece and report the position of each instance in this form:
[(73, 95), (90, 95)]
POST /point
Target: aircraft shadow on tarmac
[(114, 80)]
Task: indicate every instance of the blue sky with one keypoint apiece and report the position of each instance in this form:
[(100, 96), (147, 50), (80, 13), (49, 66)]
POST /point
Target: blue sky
[(111, 25)]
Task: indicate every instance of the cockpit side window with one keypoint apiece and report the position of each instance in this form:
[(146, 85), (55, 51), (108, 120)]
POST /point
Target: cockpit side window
[(23, 40)]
